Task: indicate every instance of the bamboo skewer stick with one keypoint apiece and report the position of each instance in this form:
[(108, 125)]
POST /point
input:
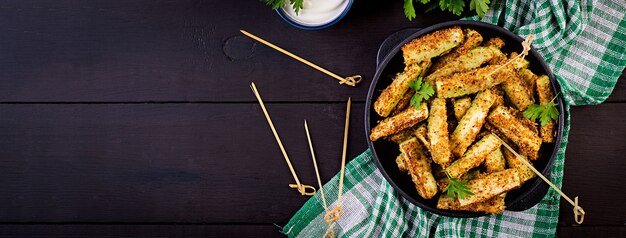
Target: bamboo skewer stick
[(579, 213), (334, 214), (352, 80), (345, 148), (317, 173), (300, 187)]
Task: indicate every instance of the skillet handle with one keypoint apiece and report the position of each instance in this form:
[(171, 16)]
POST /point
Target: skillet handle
[(392, 41)]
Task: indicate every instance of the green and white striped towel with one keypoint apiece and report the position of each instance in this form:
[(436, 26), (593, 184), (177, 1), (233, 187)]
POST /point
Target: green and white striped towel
[(584, 43)]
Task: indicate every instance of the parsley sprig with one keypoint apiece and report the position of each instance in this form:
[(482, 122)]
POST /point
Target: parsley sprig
[(545, 112), (275, 4), (457, 188), (454, 6), (423, 90)]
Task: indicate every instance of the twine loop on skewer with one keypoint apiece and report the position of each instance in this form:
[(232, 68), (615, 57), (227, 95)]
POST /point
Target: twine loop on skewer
[(352, 80), (525, 49), (333, 215), (579, 213), (302, 188)]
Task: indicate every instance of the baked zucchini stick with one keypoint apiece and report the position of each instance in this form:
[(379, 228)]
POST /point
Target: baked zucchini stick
[(397, 123), (526, 140), (470, 124), (406, 99), (474, 58), (530, 124), (403, 103), (401, 136), (492, 206), (519, 63), (491, 185), (530, 79), (461, 105), (422, 135), (495, 42), (545, 95), (512, 161), (472, 39), (500, 57), (499, 96), (431, 45), (400, 161), (495, 161), (474, 156), (390, 97), (518, 92), (419, 168), (438, 132), (473, 81)]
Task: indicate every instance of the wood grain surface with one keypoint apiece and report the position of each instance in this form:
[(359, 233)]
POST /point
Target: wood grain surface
[(134, 118)]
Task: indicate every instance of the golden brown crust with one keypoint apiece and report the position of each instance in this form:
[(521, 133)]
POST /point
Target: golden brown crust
[(438, 132), (491, 206), (473, 81), (400, 161), (530, 124), (422, 135), (495, 161), (530, 79), (495, 42), (397, 123), (404, 102), (461, 105), (431, 45), (470, 124), (472, 40), (401, 136), (472, 59), (512, 161), (545, 95), (419, 168), (474, 156), (491, 185), (391, 95), (526, 140), (517, 91)]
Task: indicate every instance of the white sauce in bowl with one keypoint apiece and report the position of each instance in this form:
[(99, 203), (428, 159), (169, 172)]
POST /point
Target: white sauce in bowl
[(316, 12)]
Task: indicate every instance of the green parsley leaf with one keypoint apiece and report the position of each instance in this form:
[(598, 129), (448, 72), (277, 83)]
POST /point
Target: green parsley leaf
[(457, 188), (275, 4), (422, 91), (409, 10), (545, 113), (454, 6), (297, 5), (481, 6)]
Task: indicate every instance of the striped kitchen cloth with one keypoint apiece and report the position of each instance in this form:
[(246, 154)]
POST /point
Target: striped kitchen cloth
[(583, 42)]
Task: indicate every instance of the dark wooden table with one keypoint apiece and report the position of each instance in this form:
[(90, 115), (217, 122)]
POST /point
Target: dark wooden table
[(134, 118)]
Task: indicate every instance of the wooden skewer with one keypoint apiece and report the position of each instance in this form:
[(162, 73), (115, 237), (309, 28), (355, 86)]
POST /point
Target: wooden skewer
[(317, 173), (352, 80), (579, 213), (333, 215), (300, 187), (345, 147)]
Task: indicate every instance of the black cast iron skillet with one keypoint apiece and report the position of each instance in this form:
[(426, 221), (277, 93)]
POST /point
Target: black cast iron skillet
[(390, 62)]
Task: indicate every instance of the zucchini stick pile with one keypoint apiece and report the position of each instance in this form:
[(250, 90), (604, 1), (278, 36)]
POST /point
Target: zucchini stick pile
[(447, 138)]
